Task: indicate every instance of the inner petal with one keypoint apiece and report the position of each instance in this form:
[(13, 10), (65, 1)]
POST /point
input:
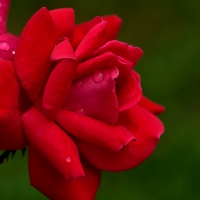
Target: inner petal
[(94, 95)]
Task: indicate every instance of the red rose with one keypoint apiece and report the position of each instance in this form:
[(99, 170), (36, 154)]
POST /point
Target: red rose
[(81, 108)]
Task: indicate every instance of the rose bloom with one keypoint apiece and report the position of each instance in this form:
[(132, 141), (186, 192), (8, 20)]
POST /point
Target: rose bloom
[(72, 98)]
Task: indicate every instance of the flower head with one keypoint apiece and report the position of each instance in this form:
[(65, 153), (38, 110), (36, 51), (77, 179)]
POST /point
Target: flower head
[(76, 103)]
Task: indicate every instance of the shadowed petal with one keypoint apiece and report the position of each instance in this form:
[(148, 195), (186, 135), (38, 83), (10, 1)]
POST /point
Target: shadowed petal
[(11, 135), (129, 91), (48, 181), (63, 50), (63, 19), (52, 143), (147, 129), (94, 131), (151, 106), (32, 54)]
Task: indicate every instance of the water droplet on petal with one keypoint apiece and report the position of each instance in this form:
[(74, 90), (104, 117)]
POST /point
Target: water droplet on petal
[(68, 159), (79, 84), (98, 77), (13, 52), (4, 46), (21, 118), (0, 5), (80, 111), (1, 19), (11, 112)]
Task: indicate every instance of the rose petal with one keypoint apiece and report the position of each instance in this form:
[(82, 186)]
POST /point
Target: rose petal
[(63, 50), (11, 135), (44, 177), (52, 143), (88, 26), (8, 43), (32, 54), (95, 63), (5, 4), (95, 95), (151, 106), (113, 26), (129, 91), (57, 86), (92, 41), (63, 19), (94, 131), (128, 52), (147, 129)]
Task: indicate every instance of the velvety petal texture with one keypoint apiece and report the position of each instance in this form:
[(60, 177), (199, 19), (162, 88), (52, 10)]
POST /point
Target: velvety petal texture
[(53, 144), (46, 179), (146, 129), (33, 52), (72, 97), (11, 134)]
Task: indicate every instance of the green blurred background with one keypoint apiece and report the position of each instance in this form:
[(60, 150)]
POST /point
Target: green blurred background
[(169, 33)]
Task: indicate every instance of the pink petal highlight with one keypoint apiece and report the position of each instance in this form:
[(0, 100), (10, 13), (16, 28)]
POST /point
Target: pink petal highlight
[(95, 95)]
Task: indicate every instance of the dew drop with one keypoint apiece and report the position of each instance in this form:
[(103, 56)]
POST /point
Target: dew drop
[(79, 84), (4, 46), (0, 5), (11, 112), (80, 111), (68, 159), (1, 19), (98, 77), (18, 122), (13, 52), (21, 118)]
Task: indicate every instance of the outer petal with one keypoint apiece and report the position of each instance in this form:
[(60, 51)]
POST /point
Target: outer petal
[(145, 126), (5, 4), (11, 135), (52, 143), (92, 41), (113, 26), (129, 91), (151, 106), (44, 177), (64, 21), (93, 131), (32, 54)]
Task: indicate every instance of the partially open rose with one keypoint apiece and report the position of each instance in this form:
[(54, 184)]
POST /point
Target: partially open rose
[(78, 105)]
